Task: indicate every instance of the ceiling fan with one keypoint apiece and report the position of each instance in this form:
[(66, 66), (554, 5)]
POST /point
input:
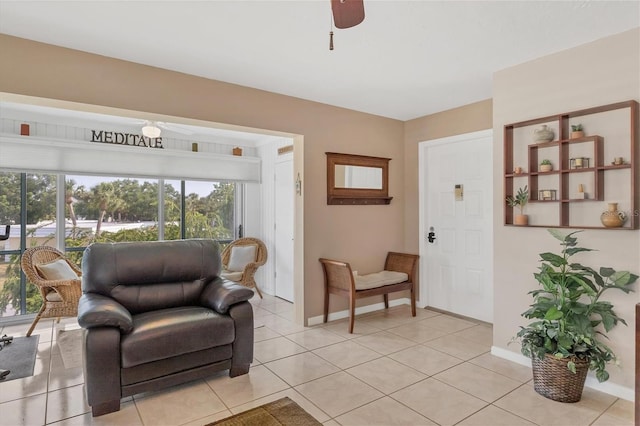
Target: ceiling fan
[(346, 14), (152, 129)]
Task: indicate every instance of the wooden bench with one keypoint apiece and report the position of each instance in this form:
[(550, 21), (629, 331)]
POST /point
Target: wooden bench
[(399, 274)]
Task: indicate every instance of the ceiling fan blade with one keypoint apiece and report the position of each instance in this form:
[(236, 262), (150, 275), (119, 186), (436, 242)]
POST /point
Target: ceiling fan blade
[(347, 13), (176, 128)]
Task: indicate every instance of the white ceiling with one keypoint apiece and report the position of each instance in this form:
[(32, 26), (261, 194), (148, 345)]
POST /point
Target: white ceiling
[(407, 59)]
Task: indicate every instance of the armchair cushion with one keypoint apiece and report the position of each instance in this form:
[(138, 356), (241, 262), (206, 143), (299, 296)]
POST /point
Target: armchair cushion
[(155, 334), (220, 294), (53, 296), (57, 270), (240, 257), (96, 310), (232, 276)]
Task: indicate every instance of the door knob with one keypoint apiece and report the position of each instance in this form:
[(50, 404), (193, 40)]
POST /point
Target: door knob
[(431, 236)]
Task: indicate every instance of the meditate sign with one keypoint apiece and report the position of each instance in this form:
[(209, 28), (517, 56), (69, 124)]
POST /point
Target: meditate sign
[(125, 139)]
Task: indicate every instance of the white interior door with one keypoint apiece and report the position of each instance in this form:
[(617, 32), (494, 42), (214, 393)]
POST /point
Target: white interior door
[(457, 273), (284, 226)]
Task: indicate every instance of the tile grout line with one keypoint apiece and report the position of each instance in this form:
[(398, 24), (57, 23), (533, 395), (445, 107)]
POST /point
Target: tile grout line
[(604, 411), (381, 356), (509, 411)]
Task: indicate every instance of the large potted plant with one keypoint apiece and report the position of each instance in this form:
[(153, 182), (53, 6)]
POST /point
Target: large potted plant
[(520, 200), (564, 340)]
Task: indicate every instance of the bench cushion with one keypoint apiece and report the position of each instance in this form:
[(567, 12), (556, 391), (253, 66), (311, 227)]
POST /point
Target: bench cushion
[(379, 279)]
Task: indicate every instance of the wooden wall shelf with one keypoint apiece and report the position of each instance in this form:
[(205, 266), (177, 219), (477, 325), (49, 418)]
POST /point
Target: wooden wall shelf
[(565, 174)]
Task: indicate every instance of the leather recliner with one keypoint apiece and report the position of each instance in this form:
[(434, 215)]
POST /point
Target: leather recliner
[(157, 314)]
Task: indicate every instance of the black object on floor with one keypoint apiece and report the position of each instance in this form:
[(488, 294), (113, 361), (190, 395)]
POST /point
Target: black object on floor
[(19, 357)]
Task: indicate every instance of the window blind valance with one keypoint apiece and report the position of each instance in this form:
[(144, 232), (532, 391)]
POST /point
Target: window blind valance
[(19, 153)]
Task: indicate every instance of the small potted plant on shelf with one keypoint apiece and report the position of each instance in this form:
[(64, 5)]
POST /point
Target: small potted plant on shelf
[(520, 200), (569, 319), (546, 166), (576, 131)]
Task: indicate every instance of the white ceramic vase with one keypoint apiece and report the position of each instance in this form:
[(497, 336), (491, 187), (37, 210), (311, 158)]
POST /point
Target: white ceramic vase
[(543, 134)]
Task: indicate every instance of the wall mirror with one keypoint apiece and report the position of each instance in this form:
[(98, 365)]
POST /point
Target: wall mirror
[(357, 179)]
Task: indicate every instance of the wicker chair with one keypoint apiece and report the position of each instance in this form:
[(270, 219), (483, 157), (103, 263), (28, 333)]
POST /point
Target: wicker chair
[(60, 297), (245, 277)]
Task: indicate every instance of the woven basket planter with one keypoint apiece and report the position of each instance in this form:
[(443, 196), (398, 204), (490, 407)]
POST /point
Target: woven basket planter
[(552, 379)]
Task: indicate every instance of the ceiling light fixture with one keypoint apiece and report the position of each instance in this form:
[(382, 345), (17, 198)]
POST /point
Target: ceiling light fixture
[(150, 130)]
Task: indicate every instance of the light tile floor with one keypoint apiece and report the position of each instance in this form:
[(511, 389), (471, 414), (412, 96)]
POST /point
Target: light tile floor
[(434, 369)]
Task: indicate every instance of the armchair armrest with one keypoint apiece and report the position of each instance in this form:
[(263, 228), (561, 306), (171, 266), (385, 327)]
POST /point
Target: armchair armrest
[(59, 283), (221, 294), (251, 268), (68, 290), (95, 310)]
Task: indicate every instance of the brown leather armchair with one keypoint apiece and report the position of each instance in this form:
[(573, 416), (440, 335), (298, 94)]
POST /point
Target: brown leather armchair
[(157, 314)]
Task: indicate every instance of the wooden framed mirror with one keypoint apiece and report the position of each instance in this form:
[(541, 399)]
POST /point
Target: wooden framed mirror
[(357, 179)]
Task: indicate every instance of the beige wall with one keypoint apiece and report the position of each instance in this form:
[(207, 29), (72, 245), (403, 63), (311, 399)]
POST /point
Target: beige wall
[(359, 234), (598, 73)]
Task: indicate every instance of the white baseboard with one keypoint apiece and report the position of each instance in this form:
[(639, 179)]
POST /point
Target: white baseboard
[(359, 310), (591, 382), (511, 356)]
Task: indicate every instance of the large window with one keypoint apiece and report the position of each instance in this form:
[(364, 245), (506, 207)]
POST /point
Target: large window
[(209, 210), (110, 209), (28, 204), (98, 208)]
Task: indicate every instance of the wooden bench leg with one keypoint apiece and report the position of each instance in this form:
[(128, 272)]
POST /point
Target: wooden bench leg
[(386, 300), (413, 302), (352, 313), (326, 304)]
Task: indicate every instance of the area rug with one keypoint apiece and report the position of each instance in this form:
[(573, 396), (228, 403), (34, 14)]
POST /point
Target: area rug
[(70, 346), (19, 357), (283, 412)]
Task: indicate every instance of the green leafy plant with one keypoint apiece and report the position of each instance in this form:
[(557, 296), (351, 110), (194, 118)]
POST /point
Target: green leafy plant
[(520, 200), (576, 127), (569, 317), (545, 162)]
